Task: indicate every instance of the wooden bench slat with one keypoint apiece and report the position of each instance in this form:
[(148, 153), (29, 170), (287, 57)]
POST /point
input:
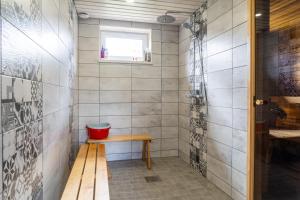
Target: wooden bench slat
[(101, 151), (102, 190), (101, 158), (88, 178), (123, 138), (101, 187), (73, 184)]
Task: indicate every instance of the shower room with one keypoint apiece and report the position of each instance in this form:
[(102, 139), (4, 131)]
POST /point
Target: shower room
[(124, 99)]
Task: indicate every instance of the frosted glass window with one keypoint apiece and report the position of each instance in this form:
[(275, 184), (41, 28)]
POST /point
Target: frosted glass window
[(119, 47), (123, 45)]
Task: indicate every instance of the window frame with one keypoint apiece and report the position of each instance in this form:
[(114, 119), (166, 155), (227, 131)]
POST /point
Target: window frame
[(124, 30)]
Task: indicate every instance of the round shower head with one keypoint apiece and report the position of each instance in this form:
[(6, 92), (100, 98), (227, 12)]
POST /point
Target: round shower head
[(166, 19), (190, 27), (187, 25), (83, 15)]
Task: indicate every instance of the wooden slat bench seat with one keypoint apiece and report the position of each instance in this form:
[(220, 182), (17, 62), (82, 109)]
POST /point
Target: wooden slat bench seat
[(89, 177), (285, 134), (145, 138)]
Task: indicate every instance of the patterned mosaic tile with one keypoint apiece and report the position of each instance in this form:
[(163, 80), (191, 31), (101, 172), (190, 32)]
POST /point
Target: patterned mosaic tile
[(288, 85), (288, 59), (24, 14), (22, 162), (21, 102), (20, 56), (198, 128), (198, 99)]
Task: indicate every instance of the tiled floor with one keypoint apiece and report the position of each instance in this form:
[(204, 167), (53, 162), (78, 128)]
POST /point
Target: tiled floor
[(178, 182)]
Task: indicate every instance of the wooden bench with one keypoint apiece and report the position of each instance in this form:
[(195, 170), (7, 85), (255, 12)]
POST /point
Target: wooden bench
[(287, 128), (145, 138), (89, 176)]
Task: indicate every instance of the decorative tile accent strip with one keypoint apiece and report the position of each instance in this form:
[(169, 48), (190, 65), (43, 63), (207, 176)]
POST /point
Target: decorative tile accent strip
[(24, 42), (198, 94), (22, 102), (25, 14), (21, 57), (288, 58), (22, 162)]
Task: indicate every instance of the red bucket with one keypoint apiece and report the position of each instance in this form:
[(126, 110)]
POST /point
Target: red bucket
[(98, 131)]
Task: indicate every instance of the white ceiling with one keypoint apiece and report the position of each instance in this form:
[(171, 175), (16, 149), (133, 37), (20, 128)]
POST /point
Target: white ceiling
[(139, 10)]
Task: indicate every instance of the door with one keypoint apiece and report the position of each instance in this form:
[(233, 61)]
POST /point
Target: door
[(276, 140)]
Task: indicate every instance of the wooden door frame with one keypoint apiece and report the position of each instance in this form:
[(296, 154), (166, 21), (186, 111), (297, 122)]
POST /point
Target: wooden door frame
[(251, 94)]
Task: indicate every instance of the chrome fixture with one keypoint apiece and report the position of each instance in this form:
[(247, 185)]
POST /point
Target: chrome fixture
[(83, 15), (198, 25), (168, 19)]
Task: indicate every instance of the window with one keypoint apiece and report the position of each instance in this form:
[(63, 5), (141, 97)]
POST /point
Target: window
[(124, 44)]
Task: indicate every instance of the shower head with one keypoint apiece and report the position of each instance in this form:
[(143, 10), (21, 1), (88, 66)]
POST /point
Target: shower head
[(190, 27), (166, 19), (187, 25)]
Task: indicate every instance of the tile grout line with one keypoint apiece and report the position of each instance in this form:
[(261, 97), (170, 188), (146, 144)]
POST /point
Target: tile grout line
[(131, 104), (161, 88), (178, 95), (232, 28)]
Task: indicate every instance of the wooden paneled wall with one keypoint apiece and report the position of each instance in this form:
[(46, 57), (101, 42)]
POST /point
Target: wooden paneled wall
[(284, 14)]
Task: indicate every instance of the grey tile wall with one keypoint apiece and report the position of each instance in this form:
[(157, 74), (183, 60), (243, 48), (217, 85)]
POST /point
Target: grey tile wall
[(134, 98), (184, 87), (39, 126), (227, 65)]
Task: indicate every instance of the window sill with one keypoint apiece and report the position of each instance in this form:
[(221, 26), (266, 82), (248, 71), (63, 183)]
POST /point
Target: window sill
[(125, 62)]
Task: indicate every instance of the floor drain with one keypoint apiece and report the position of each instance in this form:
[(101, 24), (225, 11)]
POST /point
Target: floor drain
[(150, 179)]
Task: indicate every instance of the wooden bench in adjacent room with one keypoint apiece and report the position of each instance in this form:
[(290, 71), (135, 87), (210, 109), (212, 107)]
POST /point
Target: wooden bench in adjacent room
[(89, 176), (145, 138)]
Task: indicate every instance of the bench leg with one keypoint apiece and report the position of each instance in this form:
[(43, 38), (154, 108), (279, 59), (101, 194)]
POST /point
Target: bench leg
[(144, 151), (148, 155), (108, 172)]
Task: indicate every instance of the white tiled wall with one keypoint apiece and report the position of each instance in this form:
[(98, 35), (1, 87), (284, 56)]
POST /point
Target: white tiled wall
[(227, 89), (134, 98), (184, 87), (39, 52), (227, 65)]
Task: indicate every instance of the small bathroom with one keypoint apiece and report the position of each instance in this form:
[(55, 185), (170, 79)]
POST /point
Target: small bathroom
[(149, 99)]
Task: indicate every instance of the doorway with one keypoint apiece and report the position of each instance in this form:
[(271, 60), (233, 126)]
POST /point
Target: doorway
[(275, 128)]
